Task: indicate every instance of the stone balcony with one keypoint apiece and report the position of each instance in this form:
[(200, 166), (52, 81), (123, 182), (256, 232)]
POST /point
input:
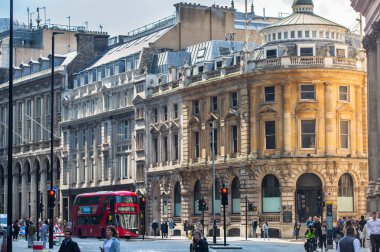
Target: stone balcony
[(307, 62)]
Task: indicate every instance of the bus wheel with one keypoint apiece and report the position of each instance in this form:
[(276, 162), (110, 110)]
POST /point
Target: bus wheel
[(80, 234), (103, 235)]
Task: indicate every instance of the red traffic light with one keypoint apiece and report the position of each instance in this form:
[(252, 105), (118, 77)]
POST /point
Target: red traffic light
[(143, 200), (51, 192), (224, 190)]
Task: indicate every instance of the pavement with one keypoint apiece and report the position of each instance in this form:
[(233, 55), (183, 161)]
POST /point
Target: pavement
[(181, 244)]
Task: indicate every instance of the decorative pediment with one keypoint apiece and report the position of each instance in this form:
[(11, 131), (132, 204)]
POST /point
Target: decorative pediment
[(345, 108), (163, 127), (138, 99), (173, 125), (267, 109), (153, 129), (307, 107), (194, 120), (232, 113), (211, 117), (105, 88)]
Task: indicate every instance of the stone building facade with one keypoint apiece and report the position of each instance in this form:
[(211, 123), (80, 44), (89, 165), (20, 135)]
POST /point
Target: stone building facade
[(31, 134), (371, 11), (289, 127)]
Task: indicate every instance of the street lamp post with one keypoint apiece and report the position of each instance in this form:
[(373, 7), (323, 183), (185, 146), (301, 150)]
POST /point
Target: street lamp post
[(51, 207), (10, 132), (213, 182)]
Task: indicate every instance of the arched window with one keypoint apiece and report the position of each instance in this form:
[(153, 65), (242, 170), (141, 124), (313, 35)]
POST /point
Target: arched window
[(177, 200), (1, 175), (19, 174), (346, 193), (197, 196), (217, 197), (28, 172), (271, 194), (235, 195)]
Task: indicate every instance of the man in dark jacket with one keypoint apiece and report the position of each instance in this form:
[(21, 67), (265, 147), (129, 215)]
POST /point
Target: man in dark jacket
[(318, 230), (69, 245), (155, 226), (199, 243)]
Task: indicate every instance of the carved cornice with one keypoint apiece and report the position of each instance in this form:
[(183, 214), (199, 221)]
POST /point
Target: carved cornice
[(369, 41)]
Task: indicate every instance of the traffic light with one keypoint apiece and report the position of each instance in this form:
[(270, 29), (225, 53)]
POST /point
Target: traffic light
[(51, 198), (202, 205), (224, 193), (142, 203)]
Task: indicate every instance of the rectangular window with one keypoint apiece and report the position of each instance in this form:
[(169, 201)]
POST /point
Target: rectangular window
[(274, 36), (214, 103), (234, 139), (270, 135), (307, 92), (271, 53), (75, 140), (91, 171), (343, 93), (125, 167), (279, 35), (165, 113), (83, 143), (299, 34), (292, 34), (234, 100), (58, 102), (308, 134), (92, 137), (126, 130), (269, 94), (105, 133), (155, 115), (327, 34), (314, 34), (321, 34), (196, 145), (306, 51), (165, 147), (175, 111), (176, 147), (214, 142), (344, 134), (140, 141), (196, 110), (341, 53), (155, 150), (307, 34), (286, 35)]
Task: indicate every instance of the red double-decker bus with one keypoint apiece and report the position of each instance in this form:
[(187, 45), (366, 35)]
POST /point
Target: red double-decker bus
[(93, 212)]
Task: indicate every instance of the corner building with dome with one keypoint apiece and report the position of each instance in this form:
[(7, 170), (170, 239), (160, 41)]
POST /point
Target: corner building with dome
[(290, 125)]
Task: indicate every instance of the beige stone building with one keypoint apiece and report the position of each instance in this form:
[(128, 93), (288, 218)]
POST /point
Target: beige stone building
[(371, 11), (289, 125)]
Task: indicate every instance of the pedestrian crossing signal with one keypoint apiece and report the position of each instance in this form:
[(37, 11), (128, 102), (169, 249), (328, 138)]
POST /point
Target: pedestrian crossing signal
[(224, 193)]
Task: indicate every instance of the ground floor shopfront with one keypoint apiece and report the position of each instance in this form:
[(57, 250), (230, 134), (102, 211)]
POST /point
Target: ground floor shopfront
[(277, 191)]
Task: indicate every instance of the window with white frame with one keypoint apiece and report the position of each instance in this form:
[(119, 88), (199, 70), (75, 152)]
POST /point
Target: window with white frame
[(299, 34), (272, 53), (344, 134), (269, 94), (307, 92), (343, 93), (125, 166), (292, 34), (308, 134), (234, 139), (92, 137), (286, 35), (234, 100), (306, 51)]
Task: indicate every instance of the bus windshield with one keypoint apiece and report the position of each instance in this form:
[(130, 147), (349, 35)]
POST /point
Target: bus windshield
[(127, 221), (126, 199)]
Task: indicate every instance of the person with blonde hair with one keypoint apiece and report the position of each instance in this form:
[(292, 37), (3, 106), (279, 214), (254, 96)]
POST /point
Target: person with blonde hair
[(199, 243)]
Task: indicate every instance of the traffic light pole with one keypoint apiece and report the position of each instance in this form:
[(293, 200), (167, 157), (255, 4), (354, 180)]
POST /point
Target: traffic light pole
[(213, 182), (224, 225), (203, 221), (246, 218)]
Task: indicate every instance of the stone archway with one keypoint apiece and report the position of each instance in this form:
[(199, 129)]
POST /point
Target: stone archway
[(309, 187)]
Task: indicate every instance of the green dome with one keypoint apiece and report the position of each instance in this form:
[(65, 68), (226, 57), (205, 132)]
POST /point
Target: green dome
[(303, 2)]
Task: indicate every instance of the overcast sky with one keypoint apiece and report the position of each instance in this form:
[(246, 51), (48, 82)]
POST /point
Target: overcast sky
[(121, 16)]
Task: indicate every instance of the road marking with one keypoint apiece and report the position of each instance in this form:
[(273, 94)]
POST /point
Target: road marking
[(212, 250)]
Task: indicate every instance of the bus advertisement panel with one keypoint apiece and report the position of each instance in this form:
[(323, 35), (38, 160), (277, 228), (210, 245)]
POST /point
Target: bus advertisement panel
[(93, 212)]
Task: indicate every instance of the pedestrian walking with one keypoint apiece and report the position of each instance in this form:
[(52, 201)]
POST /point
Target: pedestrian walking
[(154, 227), (296, 229), (199, 243), (166, 229), (323, 240), (163, 231), (16, 230), (318, 230), (254, 228), (349, 242), (338, 232), (111, 243), (186, 227), (362, 223), (367, 239), (31, 234), (171, 226), (26, 229), (266, 230), (373, 228), (43, 230), (68, 245)]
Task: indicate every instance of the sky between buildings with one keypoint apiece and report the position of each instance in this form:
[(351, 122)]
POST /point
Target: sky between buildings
[(120, 16)]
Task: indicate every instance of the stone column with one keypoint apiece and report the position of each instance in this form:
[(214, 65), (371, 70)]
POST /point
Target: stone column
[(244, 123), (377, 83), (330, 123), (286, 88), (33, 203), (24, 195), (43, 190), (15, 197), (253, 121), (359, 120)]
